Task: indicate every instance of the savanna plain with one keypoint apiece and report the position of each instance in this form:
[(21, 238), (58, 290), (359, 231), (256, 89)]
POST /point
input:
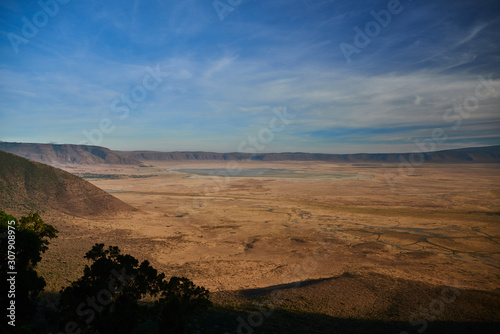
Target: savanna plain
[(364, 241)]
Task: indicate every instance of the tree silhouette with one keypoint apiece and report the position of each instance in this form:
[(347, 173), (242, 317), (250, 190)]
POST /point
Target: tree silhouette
[(109, 297), (180, 299), (31, 238)]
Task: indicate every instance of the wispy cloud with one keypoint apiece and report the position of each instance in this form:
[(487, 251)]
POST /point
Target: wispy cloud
[(225, 77)]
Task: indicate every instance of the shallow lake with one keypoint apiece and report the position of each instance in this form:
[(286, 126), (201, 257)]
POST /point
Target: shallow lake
[(234, 172), (270, 173)]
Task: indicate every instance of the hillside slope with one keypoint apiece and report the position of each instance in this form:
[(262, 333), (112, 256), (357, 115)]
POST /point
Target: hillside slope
[(27, 185), (364, 303)]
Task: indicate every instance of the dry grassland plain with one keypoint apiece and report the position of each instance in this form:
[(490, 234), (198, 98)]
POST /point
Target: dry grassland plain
[(439, 224)]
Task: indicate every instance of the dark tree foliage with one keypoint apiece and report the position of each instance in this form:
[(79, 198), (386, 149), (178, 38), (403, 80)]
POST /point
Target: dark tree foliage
[(31, 237), (105, 297), (108, 298), (180, 298)]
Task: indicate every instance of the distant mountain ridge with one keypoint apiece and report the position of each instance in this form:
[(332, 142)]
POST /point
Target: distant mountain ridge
[(67, 154), (31, 186), (63, 154)]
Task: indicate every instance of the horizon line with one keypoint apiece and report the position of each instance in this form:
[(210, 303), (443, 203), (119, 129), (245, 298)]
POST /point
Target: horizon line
[(255, 154)]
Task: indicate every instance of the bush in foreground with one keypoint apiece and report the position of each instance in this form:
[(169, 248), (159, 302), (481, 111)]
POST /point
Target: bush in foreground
[(23, 243), (111, 296)]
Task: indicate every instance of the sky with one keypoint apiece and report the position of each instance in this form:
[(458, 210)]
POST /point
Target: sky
[(326, 76)]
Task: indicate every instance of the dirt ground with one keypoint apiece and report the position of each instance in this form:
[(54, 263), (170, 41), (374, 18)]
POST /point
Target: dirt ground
[(435, 224)]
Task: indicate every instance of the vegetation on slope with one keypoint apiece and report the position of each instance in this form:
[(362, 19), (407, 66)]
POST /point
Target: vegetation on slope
[(116, 294), (26, 240), (27, 185)]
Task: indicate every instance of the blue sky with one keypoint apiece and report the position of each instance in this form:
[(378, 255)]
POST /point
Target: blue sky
[(205, 75)]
